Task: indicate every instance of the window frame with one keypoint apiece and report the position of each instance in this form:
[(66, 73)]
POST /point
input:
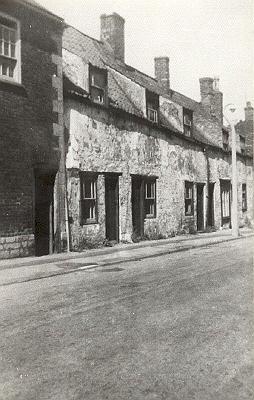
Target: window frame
[(93, 86), (188, 126), (244, 197), (16, 78), (92, 178), (189, 185), (152, 99), (150, 200)]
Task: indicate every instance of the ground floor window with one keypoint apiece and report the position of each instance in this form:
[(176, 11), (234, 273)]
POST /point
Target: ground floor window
[(88, 202), (189, 198), (244, 197), (225, 201), (150, 198)]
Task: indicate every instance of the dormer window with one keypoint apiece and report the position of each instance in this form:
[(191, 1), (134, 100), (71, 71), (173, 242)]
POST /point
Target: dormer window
[(225, 140), (187, 122), (9, 49), (98, 84), (152, 106), (242, 144)]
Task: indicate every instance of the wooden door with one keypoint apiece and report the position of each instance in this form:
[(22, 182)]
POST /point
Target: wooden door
[(112, 207), (210, 213), (200, 206), (138, 206)]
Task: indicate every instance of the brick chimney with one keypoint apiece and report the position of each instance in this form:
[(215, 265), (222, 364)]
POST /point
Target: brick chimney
[(211, 97), (248, 112), (161, 72), (112, 33)]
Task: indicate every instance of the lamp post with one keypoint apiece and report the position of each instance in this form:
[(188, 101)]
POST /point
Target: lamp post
[(229, 109)]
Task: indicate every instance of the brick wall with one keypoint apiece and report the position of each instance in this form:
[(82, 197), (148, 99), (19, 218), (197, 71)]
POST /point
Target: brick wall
[(30, 125)]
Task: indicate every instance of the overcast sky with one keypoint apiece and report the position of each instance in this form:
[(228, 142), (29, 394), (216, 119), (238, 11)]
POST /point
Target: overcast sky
[(201, 37)]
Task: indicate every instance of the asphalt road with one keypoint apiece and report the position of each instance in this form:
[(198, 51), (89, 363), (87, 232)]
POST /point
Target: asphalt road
[(173, 327)]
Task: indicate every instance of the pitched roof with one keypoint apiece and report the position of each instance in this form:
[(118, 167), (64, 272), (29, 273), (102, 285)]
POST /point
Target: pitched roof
[(97, 53), (39, 7)]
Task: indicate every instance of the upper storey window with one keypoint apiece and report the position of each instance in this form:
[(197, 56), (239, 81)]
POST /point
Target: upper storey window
[(187, 122), (152, 106), (98, 85), (225, 140), (9, 49), (242, 144)]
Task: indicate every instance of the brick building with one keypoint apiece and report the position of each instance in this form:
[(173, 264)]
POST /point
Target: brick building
[(31, 127), (142, 159)]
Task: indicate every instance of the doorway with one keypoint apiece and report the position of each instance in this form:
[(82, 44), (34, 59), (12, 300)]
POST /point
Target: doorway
[(138, 205), (200, 206), (112, 207), (44, 212), (210, 207)]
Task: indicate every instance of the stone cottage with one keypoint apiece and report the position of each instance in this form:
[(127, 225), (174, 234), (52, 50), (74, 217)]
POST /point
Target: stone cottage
[(142, 160), (31, 127)]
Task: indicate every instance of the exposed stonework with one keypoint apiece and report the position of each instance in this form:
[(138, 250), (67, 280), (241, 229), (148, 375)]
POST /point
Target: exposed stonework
[(16, 246), (105, 143)]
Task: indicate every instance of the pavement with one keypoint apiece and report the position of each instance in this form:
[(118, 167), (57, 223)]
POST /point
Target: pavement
[(35, 268), (174, 326)]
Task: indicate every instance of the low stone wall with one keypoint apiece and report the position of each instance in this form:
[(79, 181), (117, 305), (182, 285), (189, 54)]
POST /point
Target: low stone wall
[(16, 246)]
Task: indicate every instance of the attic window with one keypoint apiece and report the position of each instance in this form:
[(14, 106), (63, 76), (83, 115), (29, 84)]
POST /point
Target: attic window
[(187, 122), (152, 106), (98, 84), (225, 140), (9, 48), (242, 144)]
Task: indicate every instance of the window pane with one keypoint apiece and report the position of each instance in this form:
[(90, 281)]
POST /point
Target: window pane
[(11, 71), (98, 79), (1, 47), (6, 48), (13, 50), (88, 210), (97, 95), (1, 33), (13, 36), (4, 69), (6, 34)]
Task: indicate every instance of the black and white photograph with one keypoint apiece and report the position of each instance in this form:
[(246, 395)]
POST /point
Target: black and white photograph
[(126, 200)]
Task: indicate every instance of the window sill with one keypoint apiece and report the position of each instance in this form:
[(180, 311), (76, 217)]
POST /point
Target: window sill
[(189, 215), (150, 217), (89, 223), (7, 85)]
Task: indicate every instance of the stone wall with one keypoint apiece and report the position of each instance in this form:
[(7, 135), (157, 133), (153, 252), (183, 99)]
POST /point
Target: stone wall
[(109, 142)]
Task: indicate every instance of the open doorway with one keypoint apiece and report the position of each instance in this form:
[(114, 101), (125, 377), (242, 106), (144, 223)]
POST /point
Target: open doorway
[(44, 212)]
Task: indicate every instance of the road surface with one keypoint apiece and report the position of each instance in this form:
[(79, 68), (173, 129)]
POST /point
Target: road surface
[(174, 327)]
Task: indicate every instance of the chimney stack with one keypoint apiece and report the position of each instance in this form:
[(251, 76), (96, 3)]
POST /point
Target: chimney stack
[(248, 112), (211, 97), (161, 72), (112, 33)]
